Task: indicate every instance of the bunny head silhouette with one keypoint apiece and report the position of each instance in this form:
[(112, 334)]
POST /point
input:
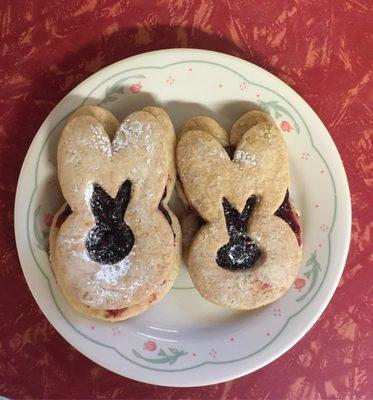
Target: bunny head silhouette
[(118, 249), (244, 255), (240, 252)]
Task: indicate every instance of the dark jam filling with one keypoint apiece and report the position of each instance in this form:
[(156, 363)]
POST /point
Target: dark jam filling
[(230, 150), (240, 252), (288, 214), (111, 240), (165, 212), (63, 216), (115, 313)]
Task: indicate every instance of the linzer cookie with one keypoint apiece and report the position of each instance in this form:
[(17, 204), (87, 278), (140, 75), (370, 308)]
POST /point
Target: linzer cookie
[(115, 244), (247, 250)]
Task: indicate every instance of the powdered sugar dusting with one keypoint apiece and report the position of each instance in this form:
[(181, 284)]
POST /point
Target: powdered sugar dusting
[(128, 134), (99, 141), (269, 132), (102, 296), (105, 283), (140, 182), (111, 273), (245, 158), (217, 151), (88, 193), (149, 146)]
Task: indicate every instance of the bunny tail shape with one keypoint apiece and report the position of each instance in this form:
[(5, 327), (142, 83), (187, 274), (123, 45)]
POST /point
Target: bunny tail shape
[(111, 240), (240, 252)]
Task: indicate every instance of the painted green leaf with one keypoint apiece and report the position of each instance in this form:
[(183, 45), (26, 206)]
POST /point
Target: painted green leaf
[(136, 353), (163, 357), (308, 274), (174, 351), (41, 236)]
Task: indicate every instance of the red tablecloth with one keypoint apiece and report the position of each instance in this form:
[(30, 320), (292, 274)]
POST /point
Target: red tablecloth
[(322, 48)]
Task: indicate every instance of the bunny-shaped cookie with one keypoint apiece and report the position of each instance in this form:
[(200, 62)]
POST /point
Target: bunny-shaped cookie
[(190, 220), (244, 255), (118, 251)]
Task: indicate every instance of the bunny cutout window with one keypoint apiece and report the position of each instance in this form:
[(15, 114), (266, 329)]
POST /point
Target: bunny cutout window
[(244, 255), (111, 240), (240, 252)]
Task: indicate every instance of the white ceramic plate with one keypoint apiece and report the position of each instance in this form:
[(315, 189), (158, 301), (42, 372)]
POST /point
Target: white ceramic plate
[(184, 340)]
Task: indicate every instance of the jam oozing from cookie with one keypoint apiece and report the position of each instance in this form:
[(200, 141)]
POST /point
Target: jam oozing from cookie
[(112, 239), (115, 313), (287, 212), (240, 253), (63, 216), (165, 212)]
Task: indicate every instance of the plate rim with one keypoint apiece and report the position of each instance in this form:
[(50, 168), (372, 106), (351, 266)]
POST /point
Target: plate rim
[(341, 172)]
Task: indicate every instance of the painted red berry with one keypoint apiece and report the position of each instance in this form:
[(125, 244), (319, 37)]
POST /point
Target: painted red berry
[(285, 126), (136, 87), (299, 283), (150, 345)]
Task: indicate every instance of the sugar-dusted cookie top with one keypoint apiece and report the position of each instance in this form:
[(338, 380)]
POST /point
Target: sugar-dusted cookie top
[(117, 245)]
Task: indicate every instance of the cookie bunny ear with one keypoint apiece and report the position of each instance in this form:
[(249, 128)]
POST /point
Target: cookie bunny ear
[(105, 117), (263, 155), (169, 139), (139, 148), (202, 165), (84, 146), (246, 122), (208, 125), (101, 123)]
